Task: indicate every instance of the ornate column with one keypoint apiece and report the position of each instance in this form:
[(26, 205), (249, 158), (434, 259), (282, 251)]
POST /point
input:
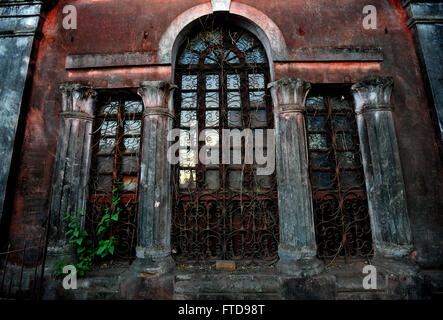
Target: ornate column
[(297, 249), (72, 162), (154, 212), (381, 162)]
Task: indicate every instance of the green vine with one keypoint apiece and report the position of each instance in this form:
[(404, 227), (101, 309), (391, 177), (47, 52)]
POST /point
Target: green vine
[(85, 252)]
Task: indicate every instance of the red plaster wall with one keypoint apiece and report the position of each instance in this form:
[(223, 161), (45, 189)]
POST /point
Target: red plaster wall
[(118, 26)]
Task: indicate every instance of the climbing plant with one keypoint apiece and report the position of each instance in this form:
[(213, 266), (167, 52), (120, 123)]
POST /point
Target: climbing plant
[(85, 251)]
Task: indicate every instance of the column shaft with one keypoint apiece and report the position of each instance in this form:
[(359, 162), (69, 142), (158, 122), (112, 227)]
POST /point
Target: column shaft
[(383, 173), (154, 214), (297, 249), (72, 163)]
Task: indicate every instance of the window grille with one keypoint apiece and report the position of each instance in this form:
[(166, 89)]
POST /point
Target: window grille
[(342, 225)]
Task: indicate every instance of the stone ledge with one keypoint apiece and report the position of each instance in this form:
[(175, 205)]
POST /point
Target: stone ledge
[(110, 60), (337, 54)]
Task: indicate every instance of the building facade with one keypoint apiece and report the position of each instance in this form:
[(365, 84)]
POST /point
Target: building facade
[(348, 96)]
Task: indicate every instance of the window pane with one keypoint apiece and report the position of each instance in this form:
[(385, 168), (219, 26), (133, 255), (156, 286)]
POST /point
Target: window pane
[(342, 103), (185, 138), (317, 141), (234, 119), (245, 42), (129, 164), (188, 118), (133, 126), (110, 108), (233, 81), (315, 103), (346, 160), (105, 164), (189, 57), (133, 106), (212, 81), (211, 58), (108, 128), (341, 123), (189, 100), (344, 141), (263, 182), (321, 179), (189, 82), (187, 179), (131, 144), (212, 118), (212, 100), (234, 100), (211, 137), (103, 183), (319, 160), (212, 179), (257, 99), (231, 57), (106, 145), (256, 55), (349, 179), (234, 178), (256, 81), (187, 158), (129, 183), (316, 123), (258, 119)]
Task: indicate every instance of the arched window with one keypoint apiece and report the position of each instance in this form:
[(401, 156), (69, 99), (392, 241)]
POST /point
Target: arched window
[(222, 211)]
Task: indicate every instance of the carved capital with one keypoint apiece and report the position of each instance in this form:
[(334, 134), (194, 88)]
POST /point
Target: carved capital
[(157, 95), (289, 95), (373, 94), (78, 100)]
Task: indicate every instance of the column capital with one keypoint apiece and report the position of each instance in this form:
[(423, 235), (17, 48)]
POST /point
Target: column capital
[(373, 94), (289, 95), (156, 94), (78, 100)]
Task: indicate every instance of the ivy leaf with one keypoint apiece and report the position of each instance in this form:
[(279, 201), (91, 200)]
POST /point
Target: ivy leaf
[(101, 229)]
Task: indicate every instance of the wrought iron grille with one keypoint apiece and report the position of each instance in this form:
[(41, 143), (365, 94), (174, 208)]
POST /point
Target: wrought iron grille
[(341, 213), (222, 211), (115, 166)]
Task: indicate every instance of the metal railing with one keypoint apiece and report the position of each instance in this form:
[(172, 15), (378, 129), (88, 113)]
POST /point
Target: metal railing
[(22, 271)]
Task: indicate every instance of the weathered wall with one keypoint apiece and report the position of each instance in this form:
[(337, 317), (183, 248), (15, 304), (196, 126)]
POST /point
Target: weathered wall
[(120, 26), (18, 27)]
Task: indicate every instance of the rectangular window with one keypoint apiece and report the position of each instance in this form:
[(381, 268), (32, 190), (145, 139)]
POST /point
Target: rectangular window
[(340, 206), (115, 168)]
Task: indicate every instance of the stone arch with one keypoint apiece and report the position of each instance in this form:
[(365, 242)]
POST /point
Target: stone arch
[(242, 15)]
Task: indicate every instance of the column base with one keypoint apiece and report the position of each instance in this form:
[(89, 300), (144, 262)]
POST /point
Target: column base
[(58, 253), (395, 266), (390, 250), (307, 267), (153, 261)]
